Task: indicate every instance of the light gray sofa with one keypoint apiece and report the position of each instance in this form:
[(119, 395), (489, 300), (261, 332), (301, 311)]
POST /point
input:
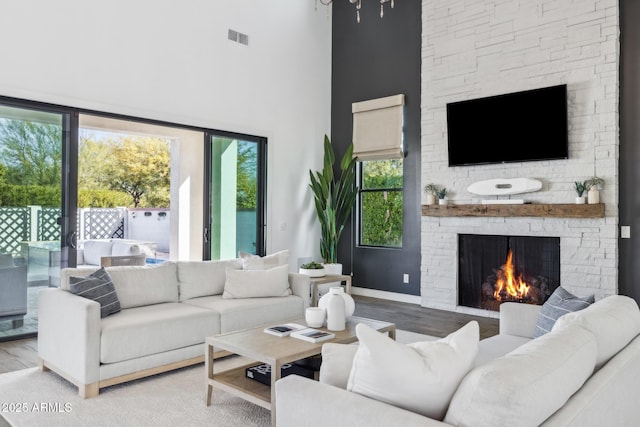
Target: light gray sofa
[(585, 372), (167, 311)]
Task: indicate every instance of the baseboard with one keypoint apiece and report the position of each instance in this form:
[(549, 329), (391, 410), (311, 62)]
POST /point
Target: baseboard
[(392, 296)]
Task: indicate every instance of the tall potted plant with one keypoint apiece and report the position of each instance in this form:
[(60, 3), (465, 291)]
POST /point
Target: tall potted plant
[(334, 196)]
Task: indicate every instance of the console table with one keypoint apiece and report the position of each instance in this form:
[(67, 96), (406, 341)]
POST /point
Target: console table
[(315, 281)]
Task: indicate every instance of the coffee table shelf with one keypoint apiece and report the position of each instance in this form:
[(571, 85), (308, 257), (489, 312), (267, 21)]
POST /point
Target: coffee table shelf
[(261, 347)]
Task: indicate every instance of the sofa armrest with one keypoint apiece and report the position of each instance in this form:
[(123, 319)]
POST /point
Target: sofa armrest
[(518, 319), (69, 335), (303, 402), (301, 286)]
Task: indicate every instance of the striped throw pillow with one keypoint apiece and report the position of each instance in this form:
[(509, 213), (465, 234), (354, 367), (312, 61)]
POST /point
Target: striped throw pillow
[(559, 303), (98, 287)]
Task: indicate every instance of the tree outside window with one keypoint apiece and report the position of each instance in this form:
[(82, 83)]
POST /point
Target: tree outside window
[(381, 200)]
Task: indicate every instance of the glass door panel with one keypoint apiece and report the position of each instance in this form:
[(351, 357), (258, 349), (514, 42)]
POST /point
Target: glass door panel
[(235, 210), (32, 223)]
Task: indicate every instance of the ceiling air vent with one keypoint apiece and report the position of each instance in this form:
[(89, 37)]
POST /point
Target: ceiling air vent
[(238, 37)]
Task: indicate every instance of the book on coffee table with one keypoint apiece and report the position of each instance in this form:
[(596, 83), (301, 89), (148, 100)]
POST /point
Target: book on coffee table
[(284, 329), (312, 335)]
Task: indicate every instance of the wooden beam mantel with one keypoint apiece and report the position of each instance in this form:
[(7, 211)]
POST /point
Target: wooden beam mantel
[(528, 209)]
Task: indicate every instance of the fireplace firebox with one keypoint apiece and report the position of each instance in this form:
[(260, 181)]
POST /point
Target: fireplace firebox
[(495, 269)]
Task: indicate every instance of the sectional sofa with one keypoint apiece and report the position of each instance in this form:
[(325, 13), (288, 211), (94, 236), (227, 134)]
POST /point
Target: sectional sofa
[(166, 311), (583, 373)]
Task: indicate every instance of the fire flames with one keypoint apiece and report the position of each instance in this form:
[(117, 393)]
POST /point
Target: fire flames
[(508, 285)]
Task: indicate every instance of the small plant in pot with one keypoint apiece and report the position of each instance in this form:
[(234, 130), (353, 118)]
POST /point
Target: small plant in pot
[(442, 196), (312, 269), (580, 189), (431, 190)]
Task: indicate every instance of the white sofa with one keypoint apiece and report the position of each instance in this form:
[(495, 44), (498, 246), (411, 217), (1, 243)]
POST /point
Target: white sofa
[(585, 373), (167, 310)]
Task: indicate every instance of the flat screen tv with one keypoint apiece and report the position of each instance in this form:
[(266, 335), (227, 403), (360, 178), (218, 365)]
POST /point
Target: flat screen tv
[(515, 127)]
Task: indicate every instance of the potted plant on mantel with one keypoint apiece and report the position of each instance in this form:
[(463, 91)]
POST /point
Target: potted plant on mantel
[(334, 196)]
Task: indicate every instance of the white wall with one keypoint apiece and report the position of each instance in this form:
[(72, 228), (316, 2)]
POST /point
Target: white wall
[(474, 49), (171, 61)]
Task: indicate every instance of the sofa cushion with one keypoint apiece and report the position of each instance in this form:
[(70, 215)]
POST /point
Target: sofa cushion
[(273, 282), (256, 262), (152, 329), (203, 278), (528, 385), (420, 377), (98, 287), (497, 346), (144, 285), (93, 250), (336, 363), (237, 314), (559, 303), (614, 320)]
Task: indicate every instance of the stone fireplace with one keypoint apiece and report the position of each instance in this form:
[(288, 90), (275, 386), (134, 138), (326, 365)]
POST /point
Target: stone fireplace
[(495, 269), (484, 49)]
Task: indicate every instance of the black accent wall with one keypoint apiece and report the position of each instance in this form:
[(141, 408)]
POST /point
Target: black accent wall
[(629, 267), (372, 59)]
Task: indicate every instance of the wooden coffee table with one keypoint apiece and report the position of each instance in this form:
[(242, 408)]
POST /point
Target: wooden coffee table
[(276, 351)]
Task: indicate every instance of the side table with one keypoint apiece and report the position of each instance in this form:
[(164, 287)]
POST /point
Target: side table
[(315, 281)]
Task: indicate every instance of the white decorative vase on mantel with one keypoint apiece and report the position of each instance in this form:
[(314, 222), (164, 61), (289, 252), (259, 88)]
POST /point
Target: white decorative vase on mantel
[(593, 196)]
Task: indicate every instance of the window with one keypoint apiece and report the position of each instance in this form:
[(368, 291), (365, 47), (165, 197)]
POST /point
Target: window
[(380, 203)]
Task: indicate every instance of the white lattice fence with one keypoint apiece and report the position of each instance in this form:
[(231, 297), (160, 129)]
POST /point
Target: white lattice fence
[(15, 227), (102, 223), (48, 228)]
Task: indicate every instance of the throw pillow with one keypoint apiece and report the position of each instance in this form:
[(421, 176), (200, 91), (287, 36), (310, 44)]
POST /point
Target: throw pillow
[(256, 262), (420, 377), (98, 287), (559, 303), (336, 363), (617, 313), (273, 282)]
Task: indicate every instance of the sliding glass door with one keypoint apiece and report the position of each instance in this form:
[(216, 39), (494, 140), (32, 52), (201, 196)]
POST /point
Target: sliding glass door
[(235, 168), (37, 208)]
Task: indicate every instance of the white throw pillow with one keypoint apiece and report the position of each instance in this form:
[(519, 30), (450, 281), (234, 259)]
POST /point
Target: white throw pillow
[(93, 250), (256, 262), (337, 360), (273, 282), (526, 386), (617, 313), (420, 377)]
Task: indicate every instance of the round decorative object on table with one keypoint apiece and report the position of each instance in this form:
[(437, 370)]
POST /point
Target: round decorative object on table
[(349, 303), (336, 319)]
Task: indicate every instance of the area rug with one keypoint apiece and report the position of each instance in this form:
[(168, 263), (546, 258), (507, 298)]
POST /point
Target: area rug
[(30, 397)]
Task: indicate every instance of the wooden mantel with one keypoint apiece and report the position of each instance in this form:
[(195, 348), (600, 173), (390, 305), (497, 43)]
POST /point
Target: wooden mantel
[(527, 209)]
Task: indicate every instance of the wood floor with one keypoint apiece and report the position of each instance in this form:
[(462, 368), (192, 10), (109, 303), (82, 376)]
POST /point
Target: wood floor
[(21, 354)]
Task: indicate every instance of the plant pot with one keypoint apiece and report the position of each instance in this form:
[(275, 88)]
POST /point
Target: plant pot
[(580, 200), (313, 272), (431, 199), (593, 196), (443, 202)]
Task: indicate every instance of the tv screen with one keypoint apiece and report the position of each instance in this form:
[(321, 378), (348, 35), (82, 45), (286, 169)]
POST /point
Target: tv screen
[(515, 127)]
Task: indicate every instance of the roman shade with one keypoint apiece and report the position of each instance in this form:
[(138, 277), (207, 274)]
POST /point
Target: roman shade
[(377, 128)]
